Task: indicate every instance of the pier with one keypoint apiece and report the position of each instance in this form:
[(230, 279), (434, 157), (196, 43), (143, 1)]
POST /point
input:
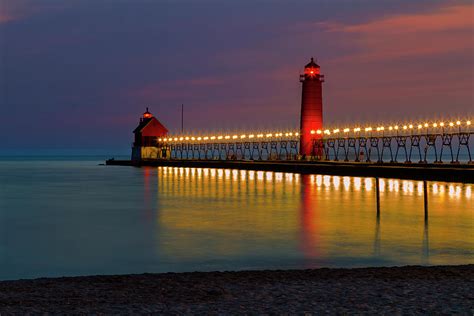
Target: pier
[(430, 172), (438, 150)]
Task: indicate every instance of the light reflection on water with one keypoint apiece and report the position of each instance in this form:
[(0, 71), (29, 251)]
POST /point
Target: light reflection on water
[(76, 219), (313, 220)]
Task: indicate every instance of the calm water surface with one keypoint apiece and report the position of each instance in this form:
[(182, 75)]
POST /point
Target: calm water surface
[(73, 217)]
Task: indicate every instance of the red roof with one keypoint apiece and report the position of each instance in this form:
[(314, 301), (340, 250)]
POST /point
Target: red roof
[(151, 127)]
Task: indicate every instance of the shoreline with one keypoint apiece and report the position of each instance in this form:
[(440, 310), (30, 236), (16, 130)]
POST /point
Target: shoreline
[(462, 173), (409, 289)]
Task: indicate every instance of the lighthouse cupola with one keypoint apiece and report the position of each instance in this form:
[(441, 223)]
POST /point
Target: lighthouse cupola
[(147, 114), (311, 69), (311, 107)]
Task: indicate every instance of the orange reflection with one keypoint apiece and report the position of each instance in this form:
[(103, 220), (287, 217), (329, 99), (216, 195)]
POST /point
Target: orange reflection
[(206, 213)]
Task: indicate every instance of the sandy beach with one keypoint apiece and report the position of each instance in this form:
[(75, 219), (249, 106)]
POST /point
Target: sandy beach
[(397, 290)]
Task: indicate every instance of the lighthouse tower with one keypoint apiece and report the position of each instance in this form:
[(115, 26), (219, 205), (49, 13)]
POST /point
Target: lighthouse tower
[(311, 107)]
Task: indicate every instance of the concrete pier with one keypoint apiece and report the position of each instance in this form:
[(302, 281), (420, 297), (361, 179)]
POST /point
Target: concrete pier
[(430, 172)]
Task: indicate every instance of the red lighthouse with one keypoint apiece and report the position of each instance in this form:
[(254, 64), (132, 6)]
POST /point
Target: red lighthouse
[(311, 106), (146, 141)]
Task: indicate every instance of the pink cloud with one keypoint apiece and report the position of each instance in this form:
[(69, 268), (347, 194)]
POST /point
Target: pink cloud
[(441, 31), (6, 17), (13, 10), (458, 17)]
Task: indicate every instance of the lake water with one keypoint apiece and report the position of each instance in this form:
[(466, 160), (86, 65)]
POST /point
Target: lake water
[(70, 216)]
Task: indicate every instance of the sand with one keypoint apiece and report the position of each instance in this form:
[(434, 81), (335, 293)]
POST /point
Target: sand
[(398, 290)]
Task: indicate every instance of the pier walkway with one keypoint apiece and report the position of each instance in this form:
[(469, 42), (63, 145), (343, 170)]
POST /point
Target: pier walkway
[(432, 172)]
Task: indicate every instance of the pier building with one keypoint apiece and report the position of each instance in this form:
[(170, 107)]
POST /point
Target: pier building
[(147, 133)]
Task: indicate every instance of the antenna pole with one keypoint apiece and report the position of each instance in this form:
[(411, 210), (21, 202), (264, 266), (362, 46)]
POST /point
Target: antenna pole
[(182, 118)]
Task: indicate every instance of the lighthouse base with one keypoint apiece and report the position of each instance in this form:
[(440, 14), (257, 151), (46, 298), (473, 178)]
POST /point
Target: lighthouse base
[(148, 153)]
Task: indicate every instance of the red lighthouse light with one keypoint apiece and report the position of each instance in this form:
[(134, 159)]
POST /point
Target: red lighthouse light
[(311, 107), (147, 114), (311, 71)]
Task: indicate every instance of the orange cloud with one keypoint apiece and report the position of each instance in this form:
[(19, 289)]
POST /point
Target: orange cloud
[(444, 19), (4, 17), (441, 31)]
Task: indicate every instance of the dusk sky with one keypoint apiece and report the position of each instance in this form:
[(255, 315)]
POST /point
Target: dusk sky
[(75, 76)]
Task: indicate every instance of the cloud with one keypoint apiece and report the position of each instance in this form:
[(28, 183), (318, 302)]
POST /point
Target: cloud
[(441, 31), (417, 63), (15, 10), (458, 17)]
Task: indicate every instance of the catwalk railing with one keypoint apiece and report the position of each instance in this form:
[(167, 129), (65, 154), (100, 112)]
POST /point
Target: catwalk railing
[(455, 147)]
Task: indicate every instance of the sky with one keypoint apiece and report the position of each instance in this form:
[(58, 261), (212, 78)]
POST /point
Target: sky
[(76, 75)]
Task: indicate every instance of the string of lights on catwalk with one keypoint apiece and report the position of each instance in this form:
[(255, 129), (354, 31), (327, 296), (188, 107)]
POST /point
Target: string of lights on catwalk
[(392, 130), (422, 142)]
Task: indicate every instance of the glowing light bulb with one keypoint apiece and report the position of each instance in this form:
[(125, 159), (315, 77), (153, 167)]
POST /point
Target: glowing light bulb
[(410, 126), (319, 131), (181, 138), (420, 126), (186, 138), (251, 136), (242, 136), (468, 123), (199, 138), (346, 130), (390, 128), (451, 124), (336, 131), (405, 127), (435, 125), (458, 123), (313, 132), (441, 124), (426, 124)]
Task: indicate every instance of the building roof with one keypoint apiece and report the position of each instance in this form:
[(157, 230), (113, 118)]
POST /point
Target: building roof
[(141, 126), (146, 121), (312, 64)]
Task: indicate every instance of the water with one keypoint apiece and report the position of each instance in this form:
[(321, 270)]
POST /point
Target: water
[(69, 216)]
